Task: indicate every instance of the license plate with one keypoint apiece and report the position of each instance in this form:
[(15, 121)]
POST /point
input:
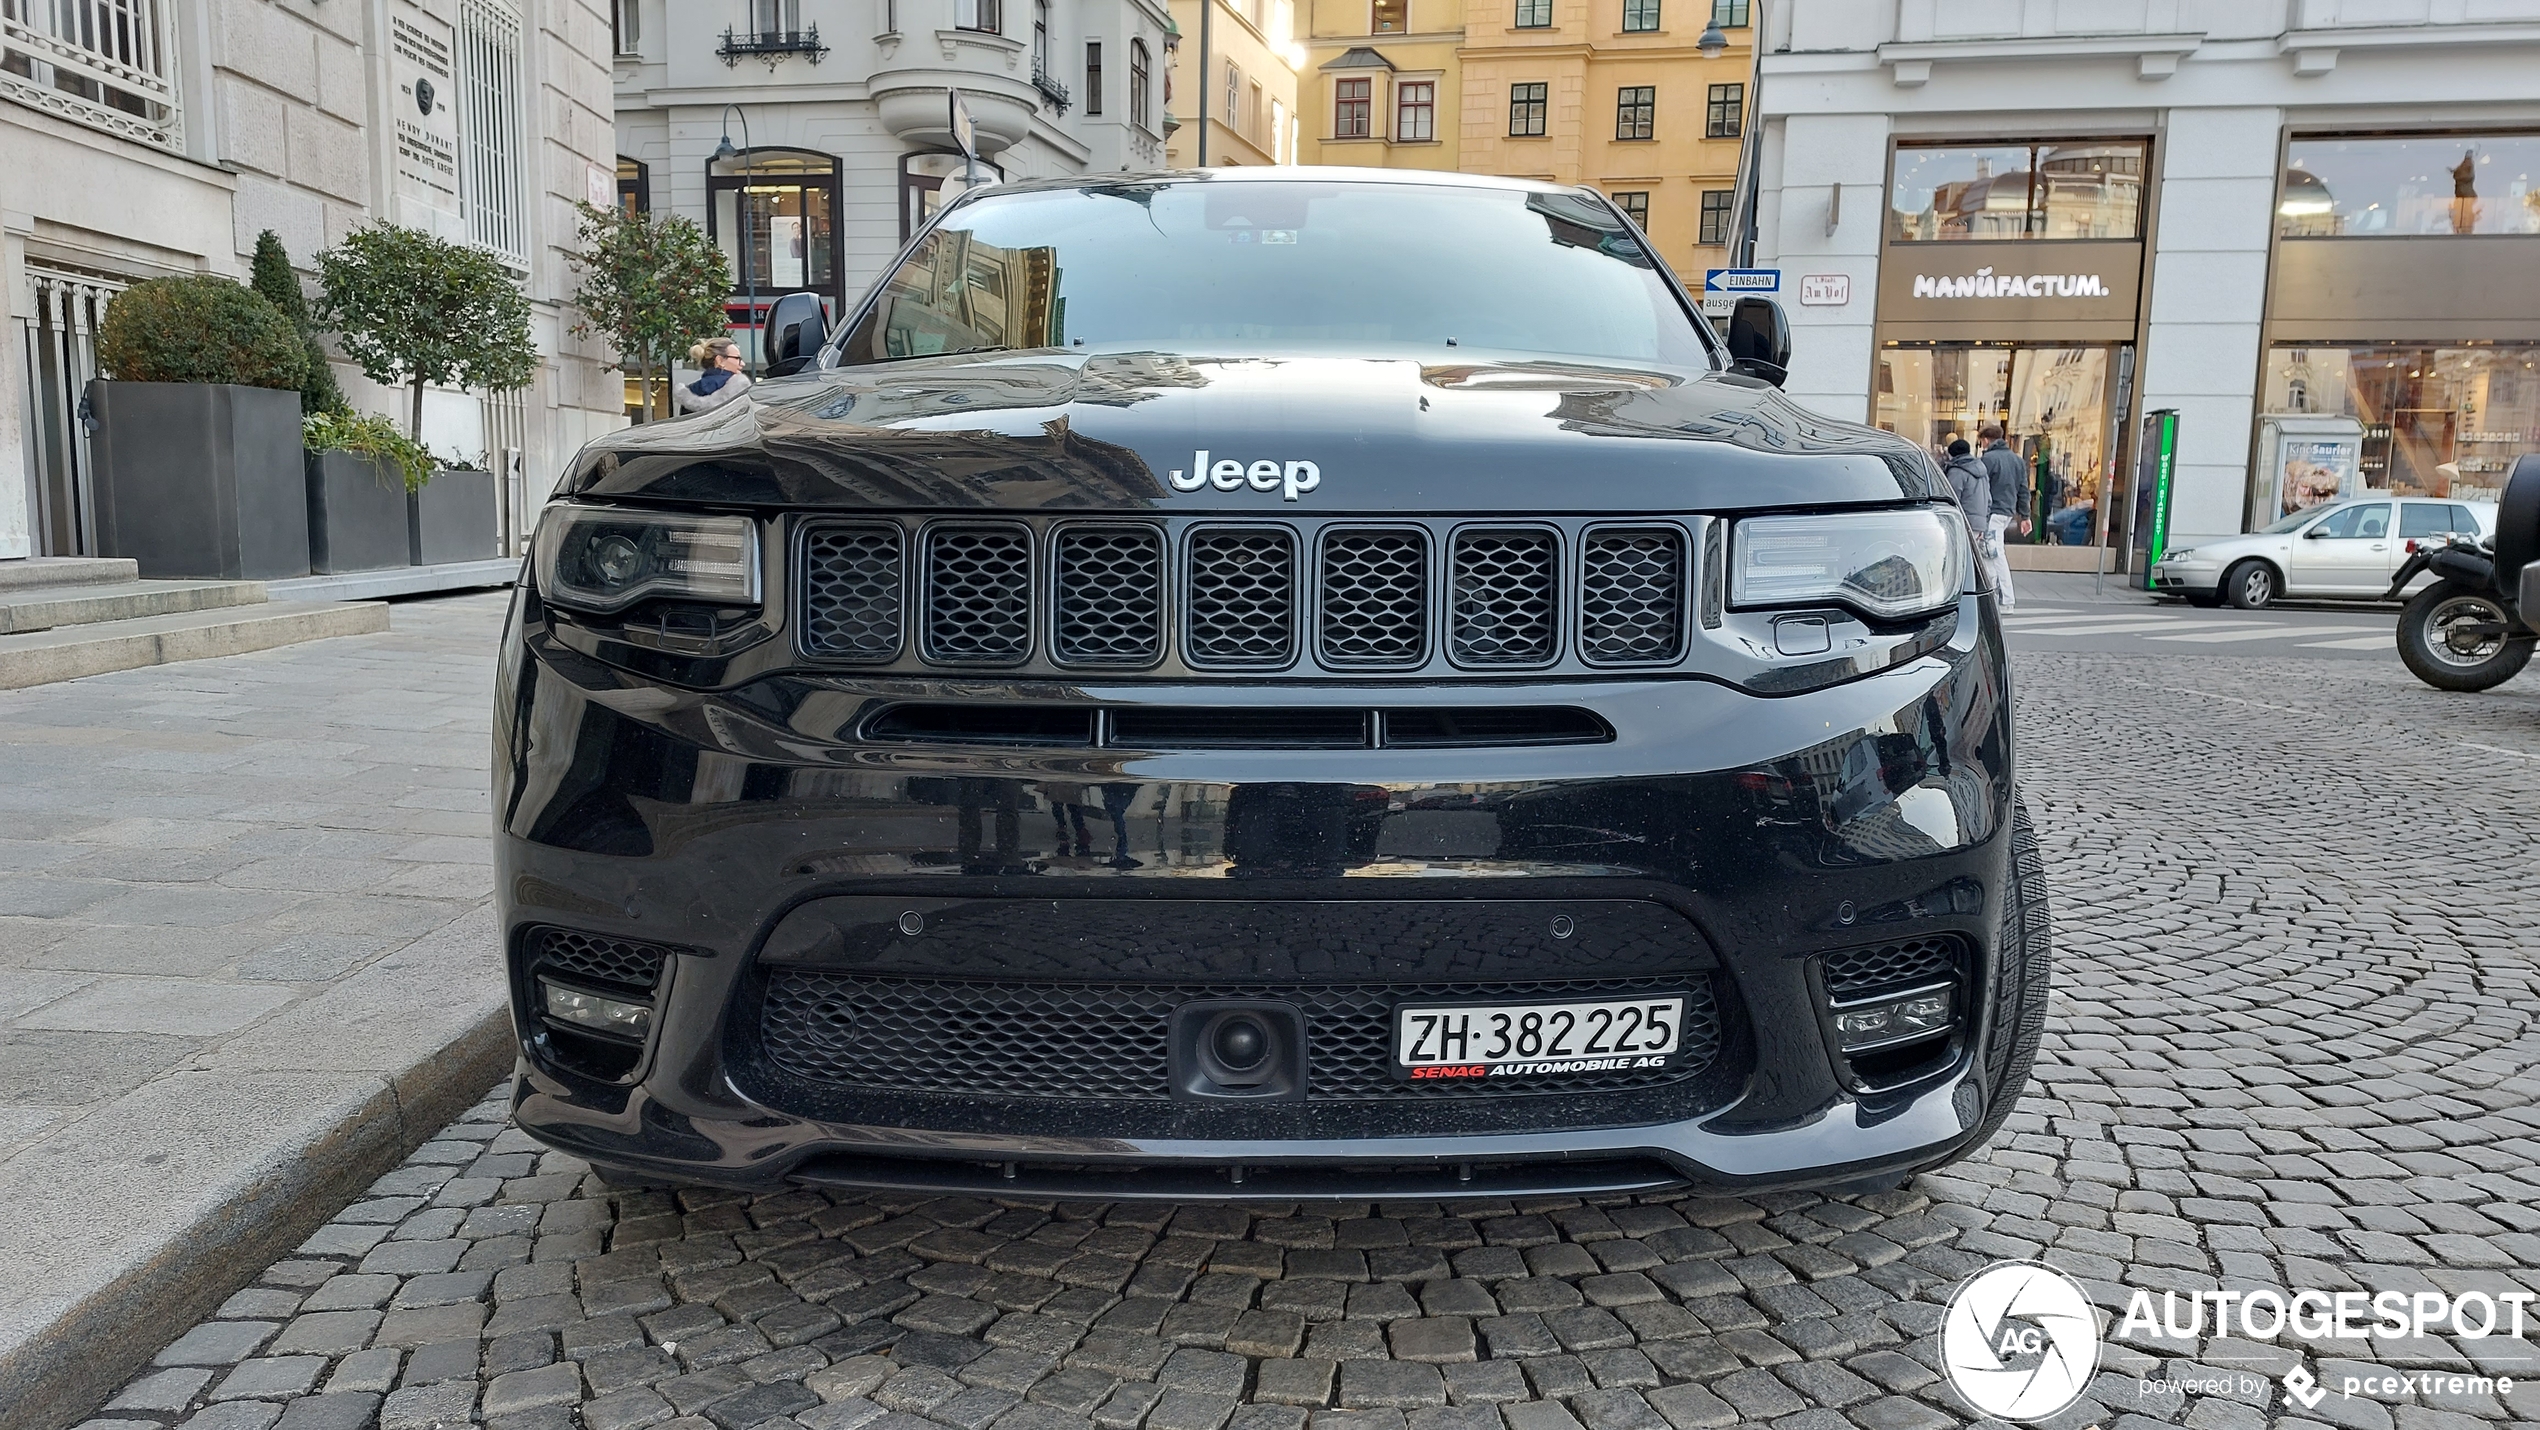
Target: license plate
[(1527, 1040)]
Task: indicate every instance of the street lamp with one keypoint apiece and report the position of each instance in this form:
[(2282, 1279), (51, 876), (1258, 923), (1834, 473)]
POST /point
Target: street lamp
[(1714, 41), (724, 153)]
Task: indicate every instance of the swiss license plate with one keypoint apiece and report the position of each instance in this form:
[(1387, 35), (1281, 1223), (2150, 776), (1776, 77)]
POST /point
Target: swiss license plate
[(1512, 1040)]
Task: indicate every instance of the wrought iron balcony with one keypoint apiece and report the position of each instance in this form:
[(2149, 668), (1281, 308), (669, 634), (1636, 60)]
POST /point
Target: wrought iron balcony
[(771, 45), (1049, 87)]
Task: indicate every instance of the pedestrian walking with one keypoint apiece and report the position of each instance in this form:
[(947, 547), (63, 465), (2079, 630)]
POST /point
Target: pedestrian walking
[(723, 380), (2009, 505), (1973, 487)]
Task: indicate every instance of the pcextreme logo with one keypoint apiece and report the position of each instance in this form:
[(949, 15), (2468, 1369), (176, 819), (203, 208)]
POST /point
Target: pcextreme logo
[(2018, 1340), (1293, 479)]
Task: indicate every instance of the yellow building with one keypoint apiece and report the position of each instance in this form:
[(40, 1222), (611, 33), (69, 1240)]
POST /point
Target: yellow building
[(1250, 90), (1612, 94)]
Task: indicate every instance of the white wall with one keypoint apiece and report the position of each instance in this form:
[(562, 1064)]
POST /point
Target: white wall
[(1808, 155)]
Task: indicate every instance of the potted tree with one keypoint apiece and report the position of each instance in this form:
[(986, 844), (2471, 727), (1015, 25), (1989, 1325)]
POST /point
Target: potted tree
[(359, 468), (196, 449), (417, 311), (651, 285)]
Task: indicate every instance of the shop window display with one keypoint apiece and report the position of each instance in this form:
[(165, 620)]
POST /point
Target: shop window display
[(2051, 401), (2410, 186), (2081, 188), (2438, 421)]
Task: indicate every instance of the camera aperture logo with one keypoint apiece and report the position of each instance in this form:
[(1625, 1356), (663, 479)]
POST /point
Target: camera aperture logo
[(2019, 1341)]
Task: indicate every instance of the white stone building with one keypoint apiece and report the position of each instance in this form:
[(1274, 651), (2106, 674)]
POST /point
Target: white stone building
[(838, 115), (145, 138), (2280, 219)]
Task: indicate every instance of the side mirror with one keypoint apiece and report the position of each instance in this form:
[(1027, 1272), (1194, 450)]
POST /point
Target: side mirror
[(2316, 532), (1759, 340), (796, 327)]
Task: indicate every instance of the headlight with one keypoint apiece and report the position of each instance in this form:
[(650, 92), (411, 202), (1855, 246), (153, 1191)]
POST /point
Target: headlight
[(604, 559), (2180, 555), (1888, 564)]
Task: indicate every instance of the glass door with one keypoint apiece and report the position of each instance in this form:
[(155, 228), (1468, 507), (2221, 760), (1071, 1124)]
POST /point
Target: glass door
[(2055, 407)]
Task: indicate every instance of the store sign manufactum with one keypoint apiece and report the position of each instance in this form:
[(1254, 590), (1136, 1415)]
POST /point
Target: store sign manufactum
[(2024, 289), (1985, 283)]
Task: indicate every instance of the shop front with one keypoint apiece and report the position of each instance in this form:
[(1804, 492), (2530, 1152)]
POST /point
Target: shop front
[(2402, 306), (2009, 294)]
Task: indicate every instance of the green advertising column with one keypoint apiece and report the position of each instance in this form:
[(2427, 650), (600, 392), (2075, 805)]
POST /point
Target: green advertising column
[(2155, 462)]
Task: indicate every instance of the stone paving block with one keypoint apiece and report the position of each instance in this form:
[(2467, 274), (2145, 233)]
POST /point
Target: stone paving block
[(444, 1405), (270, 1378), (218, 1343), (335, 1410), (161, 1390), (1375, 1384), (235, 1415)]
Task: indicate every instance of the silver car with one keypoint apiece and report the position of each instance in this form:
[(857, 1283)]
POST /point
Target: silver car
[(2345, 550)]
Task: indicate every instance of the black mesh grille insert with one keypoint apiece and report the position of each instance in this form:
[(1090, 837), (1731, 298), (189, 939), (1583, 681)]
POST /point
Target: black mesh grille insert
[(1503, 602), (1241, 605), (1110, 595), (1890, 965), (851, 592), (1375, 597), (1107, 1041), (1631, 595), (602, 960), (978, 594)]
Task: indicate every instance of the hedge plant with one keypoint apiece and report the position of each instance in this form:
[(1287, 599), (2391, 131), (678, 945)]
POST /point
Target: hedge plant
[(199, 328), (272, 277), (369, 435)]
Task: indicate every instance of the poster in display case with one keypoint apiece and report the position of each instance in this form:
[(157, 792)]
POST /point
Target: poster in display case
[(2305, 461)]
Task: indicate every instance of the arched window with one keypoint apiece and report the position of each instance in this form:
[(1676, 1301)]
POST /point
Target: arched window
[(1139, 108)]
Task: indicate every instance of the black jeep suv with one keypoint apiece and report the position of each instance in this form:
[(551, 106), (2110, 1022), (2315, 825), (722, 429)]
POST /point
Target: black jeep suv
[(1264, 684)]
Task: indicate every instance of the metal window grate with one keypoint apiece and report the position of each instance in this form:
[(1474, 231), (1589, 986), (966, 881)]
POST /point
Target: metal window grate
[(1110, 603), (1375, 598), (1631, 595), (978, 594), (1890, 965), (1504, 610), (1241, 598), (618, 961), (852, 582), (489, 74)]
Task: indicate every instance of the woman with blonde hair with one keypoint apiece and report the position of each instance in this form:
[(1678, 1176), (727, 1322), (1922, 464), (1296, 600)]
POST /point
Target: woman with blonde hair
[(723, 379)]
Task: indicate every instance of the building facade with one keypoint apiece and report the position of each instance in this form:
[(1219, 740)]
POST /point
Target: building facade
[(1611, 94), (2307, 229), (837, 113), (1247, 104), (150, 138)]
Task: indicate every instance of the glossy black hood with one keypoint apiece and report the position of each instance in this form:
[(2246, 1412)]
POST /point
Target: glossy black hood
[(1123, 431)]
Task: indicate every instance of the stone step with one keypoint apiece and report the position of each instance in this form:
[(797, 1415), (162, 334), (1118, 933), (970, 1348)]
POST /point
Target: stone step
[(73, 651), (30, 571), (40, 608)]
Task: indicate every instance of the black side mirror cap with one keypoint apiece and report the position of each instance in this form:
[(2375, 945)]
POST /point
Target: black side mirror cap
[(1759, 340), (797, 325)]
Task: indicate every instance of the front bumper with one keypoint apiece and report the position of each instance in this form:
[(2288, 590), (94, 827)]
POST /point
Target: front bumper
[(742, 833)]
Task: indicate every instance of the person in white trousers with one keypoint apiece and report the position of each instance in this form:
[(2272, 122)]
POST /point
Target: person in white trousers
[(2010, 482)]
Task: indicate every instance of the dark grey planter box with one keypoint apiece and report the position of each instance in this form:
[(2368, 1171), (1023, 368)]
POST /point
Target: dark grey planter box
[(200, 479), (455, 519), (357, 515)]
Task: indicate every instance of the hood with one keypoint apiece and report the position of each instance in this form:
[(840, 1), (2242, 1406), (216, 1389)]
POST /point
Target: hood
[(1305, 435)]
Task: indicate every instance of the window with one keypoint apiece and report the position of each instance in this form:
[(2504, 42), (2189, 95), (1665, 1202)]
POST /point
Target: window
[(1093, 78), (1040, 38), (1534, 14), (489, 129), (1278, 132), (634, 186), (2081, 188), (1639, 16), (1729, 14), (1252, 110), (1351, 106), (1234, 95), (1415, 107), (1389, 17), (625, 26), (105, 63), (1635, 111), (2442, 422), (1526, 105), (2425, 518), (773, 213), (2419, 184), (1635, 205), (1716, 204), (773, 17), (985, 16), (1139, 102), (1726, 118)]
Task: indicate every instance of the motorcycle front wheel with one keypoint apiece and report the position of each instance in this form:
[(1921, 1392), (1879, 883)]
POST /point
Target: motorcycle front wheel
[(2449, 637)]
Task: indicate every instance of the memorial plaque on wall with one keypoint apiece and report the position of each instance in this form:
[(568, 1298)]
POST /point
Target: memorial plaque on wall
[(425, 108)]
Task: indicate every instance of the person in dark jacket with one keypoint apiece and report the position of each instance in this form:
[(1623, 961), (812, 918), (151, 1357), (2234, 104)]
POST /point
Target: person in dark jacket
[(2010, 505), (1974, 489), (722, 382)]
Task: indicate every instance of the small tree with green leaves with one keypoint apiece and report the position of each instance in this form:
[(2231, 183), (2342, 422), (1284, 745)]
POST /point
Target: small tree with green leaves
[(272, 277), (416, 310), (199, 328), (651, 286)]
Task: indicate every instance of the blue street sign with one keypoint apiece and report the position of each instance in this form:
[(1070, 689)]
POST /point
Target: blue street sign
[(1741, 280)]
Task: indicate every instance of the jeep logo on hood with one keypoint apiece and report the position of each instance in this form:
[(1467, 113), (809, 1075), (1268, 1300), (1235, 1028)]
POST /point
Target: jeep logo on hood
[(1292, 479)]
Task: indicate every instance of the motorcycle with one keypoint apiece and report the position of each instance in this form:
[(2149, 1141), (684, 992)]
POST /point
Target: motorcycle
[(2464, 632)]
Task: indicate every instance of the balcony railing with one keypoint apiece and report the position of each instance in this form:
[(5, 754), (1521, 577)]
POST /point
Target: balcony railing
[(1049, 87), (771, 45), (106, 63)]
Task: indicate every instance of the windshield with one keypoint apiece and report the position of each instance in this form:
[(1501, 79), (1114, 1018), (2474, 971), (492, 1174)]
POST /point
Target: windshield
[(1286, 263), (2298, 520)]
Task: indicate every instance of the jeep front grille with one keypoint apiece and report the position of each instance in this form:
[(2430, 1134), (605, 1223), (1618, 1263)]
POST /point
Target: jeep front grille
[(1632, 595), (978, 595), (1241, 597), (1502, 611), (851, 592), (1110, 598), (1375, 589)]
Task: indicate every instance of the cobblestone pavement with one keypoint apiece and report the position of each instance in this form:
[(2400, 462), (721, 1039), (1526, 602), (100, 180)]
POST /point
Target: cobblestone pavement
[(2292, 1046)]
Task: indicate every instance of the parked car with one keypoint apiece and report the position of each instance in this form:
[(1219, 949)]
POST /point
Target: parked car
[(1418, 595), (2343, 550)]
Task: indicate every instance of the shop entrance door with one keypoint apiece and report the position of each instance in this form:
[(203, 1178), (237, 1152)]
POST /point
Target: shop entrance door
[(2055, 404)]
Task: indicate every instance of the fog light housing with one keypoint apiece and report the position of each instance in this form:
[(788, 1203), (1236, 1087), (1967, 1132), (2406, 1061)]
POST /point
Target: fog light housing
[(593, 1012), (1893, 1018)]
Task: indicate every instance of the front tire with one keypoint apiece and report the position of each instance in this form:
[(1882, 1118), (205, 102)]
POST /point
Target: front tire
[(2024, 956), (2251, 586), (2450, 660)]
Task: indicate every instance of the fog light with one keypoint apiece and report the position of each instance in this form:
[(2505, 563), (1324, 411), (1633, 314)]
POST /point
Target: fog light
[(589, 1010), (1895, 1018)]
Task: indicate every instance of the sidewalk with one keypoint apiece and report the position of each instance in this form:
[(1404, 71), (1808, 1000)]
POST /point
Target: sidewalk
[(247, 959)]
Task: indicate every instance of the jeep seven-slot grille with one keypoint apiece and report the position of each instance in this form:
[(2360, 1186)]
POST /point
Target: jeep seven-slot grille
[(1109, 1041), (1347, 596)]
